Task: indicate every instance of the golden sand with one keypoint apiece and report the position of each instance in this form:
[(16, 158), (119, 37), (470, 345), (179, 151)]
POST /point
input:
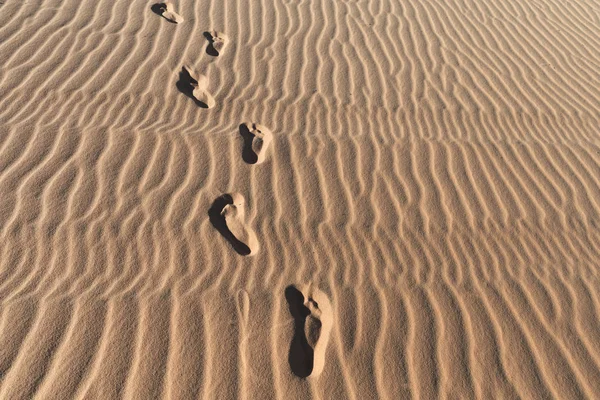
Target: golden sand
[(421, 220)]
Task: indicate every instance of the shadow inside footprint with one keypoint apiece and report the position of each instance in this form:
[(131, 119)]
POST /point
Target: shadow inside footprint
[(248, 154), (218, 221), (301, 357), (210, 49), (159, 9), (186, 86)]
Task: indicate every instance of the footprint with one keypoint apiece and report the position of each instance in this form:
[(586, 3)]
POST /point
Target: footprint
[(243, 305), (201, 93), (257, 139), (217, 42), (227, 215), (195, 86), (313, 319), (167, 10)]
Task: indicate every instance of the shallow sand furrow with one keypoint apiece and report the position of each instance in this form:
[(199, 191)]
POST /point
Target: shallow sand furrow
[(51, 21), (568, 382), (76, 352), (17, 321), (31, 365), (153, 340), (479, 354), (521, 365), (111, 365), (46, 68), (131, 210), (423, 345)]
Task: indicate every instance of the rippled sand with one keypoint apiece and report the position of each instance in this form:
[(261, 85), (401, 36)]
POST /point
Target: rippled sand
[(432, 174)]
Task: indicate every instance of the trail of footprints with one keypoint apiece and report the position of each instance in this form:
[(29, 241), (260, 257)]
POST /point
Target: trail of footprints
[(309, 306)]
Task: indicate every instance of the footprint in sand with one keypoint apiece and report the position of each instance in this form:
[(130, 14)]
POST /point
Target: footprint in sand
[(313, 318), (195, 85), (217, 41), (257, 139), (167, 10), (227, 215)]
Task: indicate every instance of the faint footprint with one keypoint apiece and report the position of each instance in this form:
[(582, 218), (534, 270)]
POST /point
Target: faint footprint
[(217, 41), (243, 305), (195, 86), (167, 10), (313, 319), (257, 139), (227, 215)]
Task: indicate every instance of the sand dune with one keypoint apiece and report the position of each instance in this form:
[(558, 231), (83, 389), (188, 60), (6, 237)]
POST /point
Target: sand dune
[(434, 172)]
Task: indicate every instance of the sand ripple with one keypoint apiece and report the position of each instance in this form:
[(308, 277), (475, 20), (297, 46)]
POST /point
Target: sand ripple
[(434, 169)]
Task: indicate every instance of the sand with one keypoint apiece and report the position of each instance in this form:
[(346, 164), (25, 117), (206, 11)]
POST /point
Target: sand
[(432, 175)]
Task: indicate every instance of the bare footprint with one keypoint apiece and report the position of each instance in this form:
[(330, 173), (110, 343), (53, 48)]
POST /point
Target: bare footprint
[(201, 93), (217, 41), (167, 10), (228, 216), (313, 319), (257, 139), (195, 86)]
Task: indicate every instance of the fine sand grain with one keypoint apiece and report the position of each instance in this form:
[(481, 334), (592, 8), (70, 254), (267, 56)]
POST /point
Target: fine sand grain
[(411, 211)]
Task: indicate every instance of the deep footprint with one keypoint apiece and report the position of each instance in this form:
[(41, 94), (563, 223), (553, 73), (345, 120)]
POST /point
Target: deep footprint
[(195, 86), (167, 10), (313, 319), (257, 139), (227, 215), (217, 41)]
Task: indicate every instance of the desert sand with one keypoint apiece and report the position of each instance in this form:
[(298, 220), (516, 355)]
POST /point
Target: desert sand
[(421, 221)]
